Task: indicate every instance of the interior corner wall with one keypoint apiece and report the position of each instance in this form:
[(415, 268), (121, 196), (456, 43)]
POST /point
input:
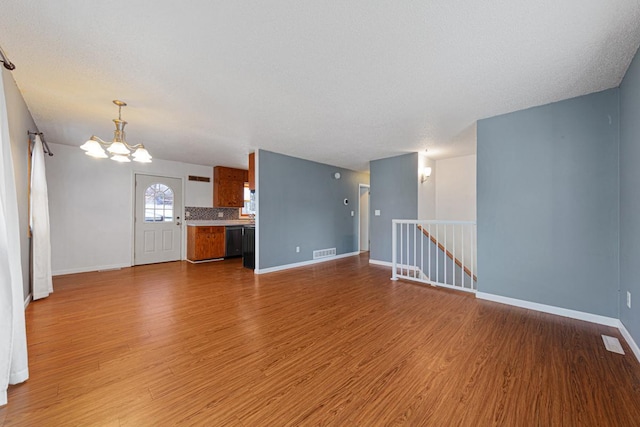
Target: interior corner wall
[(455, 195), (301, 204), (548, 204), (427, 205), (394, 192), (91, 206), (20, 121), (630, 198)]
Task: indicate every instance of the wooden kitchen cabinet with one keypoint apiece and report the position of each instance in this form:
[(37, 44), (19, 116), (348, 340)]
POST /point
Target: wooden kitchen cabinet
[(228, 187), (205, 242), (252, 171)]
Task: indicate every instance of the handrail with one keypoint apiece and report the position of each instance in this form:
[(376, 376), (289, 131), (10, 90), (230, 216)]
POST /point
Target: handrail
[(442, 248)]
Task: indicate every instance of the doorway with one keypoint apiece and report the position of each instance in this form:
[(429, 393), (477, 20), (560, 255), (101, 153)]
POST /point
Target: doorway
[(363, 209), (157, 221)]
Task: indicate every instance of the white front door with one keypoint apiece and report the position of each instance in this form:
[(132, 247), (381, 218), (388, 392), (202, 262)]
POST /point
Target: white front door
[(158, 219)]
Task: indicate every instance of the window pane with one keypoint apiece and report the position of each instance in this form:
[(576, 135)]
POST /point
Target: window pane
[(248, 207), (158, 203)]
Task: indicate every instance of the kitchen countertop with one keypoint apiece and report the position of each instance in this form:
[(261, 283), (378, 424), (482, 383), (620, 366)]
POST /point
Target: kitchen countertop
[(197, 223)]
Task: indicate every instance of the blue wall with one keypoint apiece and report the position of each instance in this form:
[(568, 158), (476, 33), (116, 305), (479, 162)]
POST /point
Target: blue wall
[(394, 191), (301, 204), (548, 206), (630, 198)]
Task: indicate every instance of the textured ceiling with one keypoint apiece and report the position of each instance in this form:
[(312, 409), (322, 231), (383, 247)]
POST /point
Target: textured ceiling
[(339, 82)]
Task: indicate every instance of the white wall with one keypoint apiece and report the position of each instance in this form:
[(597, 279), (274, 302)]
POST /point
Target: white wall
[(20, 121), (456, 201), (455, 191), (427, 190), (91, 206)]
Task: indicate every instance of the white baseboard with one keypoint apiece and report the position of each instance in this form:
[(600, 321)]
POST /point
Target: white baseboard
[(627, 336), (383, 263), (565, 312), (27, 300), (303, 263), (92, 268)]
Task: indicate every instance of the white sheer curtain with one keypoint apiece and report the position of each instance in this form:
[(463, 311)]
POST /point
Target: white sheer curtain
[(40, 236), (13, 338)]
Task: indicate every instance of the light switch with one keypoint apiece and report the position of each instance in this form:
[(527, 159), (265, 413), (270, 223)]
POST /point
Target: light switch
[(376, 212), (353, 213)]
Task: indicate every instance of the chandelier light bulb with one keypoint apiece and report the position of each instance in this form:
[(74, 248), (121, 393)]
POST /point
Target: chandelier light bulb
[(141, 155), (91, 145), (117, 147), (97, 154)]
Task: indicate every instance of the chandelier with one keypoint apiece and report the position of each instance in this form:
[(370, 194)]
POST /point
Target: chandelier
[(118, 149)]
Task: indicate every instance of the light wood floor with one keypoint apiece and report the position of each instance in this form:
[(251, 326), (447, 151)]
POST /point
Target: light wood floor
[(333, 344)]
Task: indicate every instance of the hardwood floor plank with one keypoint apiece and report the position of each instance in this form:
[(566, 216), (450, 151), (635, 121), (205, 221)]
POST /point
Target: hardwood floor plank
[(336, 343)]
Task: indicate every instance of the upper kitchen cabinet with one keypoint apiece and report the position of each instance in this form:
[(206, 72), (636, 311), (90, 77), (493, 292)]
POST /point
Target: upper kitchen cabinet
[(252, 171), (228, 187)]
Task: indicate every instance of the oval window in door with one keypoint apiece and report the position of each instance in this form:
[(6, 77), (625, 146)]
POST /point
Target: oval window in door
[(158, 203)]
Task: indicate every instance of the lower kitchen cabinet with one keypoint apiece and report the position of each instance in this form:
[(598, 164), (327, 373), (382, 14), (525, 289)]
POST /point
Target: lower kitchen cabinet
[(204, 242)]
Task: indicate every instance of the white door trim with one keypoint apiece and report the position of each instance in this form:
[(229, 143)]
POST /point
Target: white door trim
[(360, 186), (183, 228)]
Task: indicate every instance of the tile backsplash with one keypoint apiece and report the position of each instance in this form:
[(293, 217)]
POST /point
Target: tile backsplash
[(211, 214)]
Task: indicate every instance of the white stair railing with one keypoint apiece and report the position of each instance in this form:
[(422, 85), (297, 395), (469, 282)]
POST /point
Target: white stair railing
[(440, 253)]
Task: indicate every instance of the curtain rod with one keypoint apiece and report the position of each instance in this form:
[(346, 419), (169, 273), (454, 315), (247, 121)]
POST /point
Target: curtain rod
[(5, 61), (45, 146)]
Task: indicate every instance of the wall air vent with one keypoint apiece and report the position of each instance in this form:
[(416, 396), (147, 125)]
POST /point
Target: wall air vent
[(324, 253)]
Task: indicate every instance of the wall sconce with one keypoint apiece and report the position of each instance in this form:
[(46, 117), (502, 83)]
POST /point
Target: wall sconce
[(426, 173)]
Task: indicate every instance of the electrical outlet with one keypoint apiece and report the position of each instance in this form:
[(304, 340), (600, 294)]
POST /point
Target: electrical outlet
[(353, 213), (220, 214), (187, 214), (376, 212), (297, 248), (628, 299)]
